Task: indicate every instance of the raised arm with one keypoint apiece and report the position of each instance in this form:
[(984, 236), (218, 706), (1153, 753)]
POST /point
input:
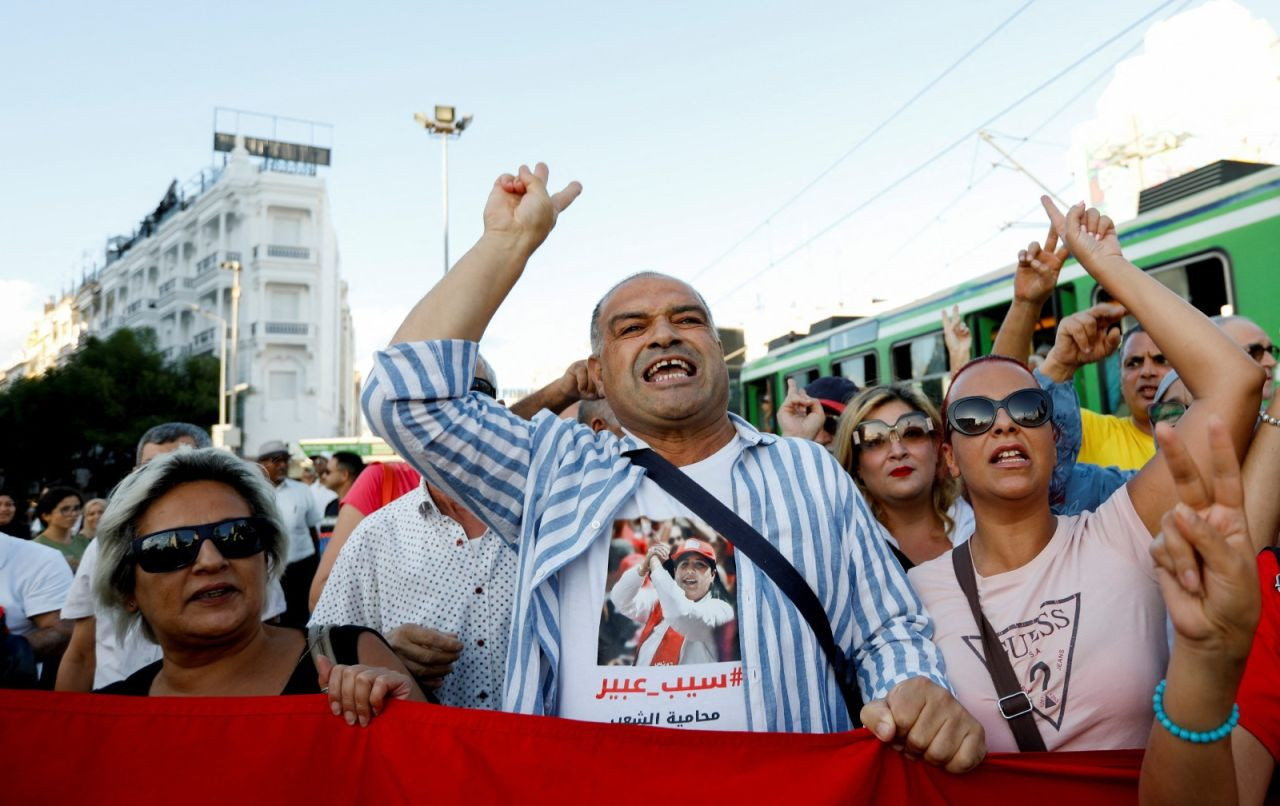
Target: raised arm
[(1214, 610), (1224, 381), (560, 394), (1033, 284), (958, 337), (517, 219)]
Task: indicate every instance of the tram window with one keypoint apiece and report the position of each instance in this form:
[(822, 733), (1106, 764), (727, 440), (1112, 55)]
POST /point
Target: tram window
[(987, 322), (804, 377), (1204, 280), (923, 362), (862, 369)]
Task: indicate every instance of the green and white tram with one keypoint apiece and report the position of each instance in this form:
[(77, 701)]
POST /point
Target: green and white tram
[(1212, 235)]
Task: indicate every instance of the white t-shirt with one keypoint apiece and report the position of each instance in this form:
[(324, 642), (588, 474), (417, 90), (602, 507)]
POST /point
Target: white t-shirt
[(1083, 625), (699, 684), (322, 494), (34, 579), (298, 512), (115, 659)]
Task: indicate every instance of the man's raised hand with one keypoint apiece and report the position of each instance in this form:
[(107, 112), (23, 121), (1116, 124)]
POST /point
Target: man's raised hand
[(800, 415), (521, 209), (1038, 267), (1083, 338)]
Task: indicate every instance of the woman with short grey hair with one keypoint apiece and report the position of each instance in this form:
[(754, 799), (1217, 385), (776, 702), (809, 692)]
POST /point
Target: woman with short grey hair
[(188, 547)]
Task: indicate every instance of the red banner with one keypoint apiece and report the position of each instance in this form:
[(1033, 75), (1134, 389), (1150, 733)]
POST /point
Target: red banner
[(84, 748)]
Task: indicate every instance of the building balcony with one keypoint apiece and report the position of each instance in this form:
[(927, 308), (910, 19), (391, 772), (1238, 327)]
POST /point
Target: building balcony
[(287, 332), (204, 340), (285, 252), (137, 309), (169, 288)]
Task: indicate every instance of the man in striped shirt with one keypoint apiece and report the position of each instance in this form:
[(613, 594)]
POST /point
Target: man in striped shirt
[(554, 490)]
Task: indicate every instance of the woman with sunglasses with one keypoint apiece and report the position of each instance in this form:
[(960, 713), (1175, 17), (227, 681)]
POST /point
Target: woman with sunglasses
[(187, 547), (1064, 611), (888, 439)]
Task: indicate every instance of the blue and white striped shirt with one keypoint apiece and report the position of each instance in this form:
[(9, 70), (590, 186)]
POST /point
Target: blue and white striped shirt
[(552, 486)]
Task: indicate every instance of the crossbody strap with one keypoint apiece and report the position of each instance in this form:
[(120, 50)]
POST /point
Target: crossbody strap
[(1013, 703), (765, 556)]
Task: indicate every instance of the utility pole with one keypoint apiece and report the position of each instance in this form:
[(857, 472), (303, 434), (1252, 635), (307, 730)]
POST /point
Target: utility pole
[(233, 266)]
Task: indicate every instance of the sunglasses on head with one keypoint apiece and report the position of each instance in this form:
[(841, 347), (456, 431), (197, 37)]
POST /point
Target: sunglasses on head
[(971, 416), (1169, 411), (911, 428), (484, 387), (172, 549), (1257, 350)]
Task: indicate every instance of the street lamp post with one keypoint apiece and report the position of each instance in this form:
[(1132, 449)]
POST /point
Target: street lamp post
[(222, 360), (233, 266), (446, 124)]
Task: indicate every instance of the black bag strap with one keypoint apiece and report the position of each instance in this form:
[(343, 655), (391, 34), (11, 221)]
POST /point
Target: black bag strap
[(1013, 703), (765, 556)]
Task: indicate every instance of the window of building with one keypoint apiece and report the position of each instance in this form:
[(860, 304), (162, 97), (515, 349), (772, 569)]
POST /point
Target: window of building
[(282, 384)]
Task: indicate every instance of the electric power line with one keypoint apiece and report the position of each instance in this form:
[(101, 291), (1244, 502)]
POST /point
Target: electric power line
[(863, 141), (946, 150)]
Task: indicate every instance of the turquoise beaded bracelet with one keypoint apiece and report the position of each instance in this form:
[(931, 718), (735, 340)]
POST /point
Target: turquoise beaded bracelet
[(1194, 736)]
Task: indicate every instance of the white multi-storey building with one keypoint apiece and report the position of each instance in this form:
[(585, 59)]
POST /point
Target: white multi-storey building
[(296, 343)]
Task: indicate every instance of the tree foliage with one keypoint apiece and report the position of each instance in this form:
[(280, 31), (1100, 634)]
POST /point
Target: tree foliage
[(90, 412)]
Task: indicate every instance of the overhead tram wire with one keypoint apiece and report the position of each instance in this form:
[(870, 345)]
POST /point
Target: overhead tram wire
[(1048, 119), (1028, 138), (940, 154), (864, 139)]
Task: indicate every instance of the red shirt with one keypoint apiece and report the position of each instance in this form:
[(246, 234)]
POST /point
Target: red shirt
[(1259, 695), (379, 484)]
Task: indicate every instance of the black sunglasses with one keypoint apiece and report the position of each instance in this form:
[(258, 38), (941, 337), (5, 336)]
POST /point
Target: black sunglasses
[(972, 416), (1257, 350), (910, 428), (484, 387), (172, 549)]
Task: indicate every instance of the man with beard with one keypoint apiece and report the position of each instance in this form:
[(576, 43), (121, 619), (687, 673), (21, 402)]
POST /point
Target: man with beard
[(553, 489)]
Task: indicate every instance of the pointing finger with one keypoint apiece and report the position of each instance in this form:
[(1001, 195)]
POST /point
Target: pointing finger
[(1056, 220)]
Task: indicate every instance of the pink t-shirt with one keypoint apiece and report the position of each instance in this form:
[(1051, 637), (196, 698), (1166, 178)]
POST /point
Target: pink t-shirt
[(1083, 625), (367, 495)]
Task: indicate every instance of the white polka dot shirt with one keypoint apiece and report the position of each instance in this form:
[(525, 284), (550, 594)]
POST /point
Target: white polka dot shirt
[(408, 563)]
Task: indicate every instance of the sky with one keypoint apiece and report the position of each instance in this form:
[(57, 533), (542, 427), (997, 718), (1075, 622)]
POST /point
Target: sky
[(760, 150)]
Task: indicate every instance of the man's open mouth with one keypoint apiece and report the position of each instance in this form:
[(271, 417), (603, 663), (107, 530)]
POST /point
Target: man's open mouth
[(669, 369)]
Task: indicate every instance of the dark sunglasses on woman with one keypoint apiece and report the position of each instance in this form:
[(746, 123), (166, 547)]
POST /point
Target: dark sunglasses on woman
[(173, 549), (911, 428), (973, 416)]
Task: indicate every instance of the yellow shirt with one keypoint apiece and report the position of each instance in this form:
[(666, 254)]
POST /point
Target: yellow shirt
[(1109, 440)]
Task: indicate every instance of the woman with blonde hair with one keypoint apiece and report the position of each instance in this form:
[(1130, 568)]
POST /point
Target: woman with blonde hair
[(889, 439)]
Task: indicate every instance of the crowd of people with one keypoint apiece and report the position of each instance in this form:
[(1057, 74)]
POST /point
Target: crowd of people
[(1002, 570)]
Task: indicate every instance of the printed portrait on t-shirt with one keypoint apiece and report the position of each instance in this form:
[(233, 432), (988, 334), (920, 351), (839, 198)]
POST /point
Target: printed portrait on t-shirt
[(669, 596)]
